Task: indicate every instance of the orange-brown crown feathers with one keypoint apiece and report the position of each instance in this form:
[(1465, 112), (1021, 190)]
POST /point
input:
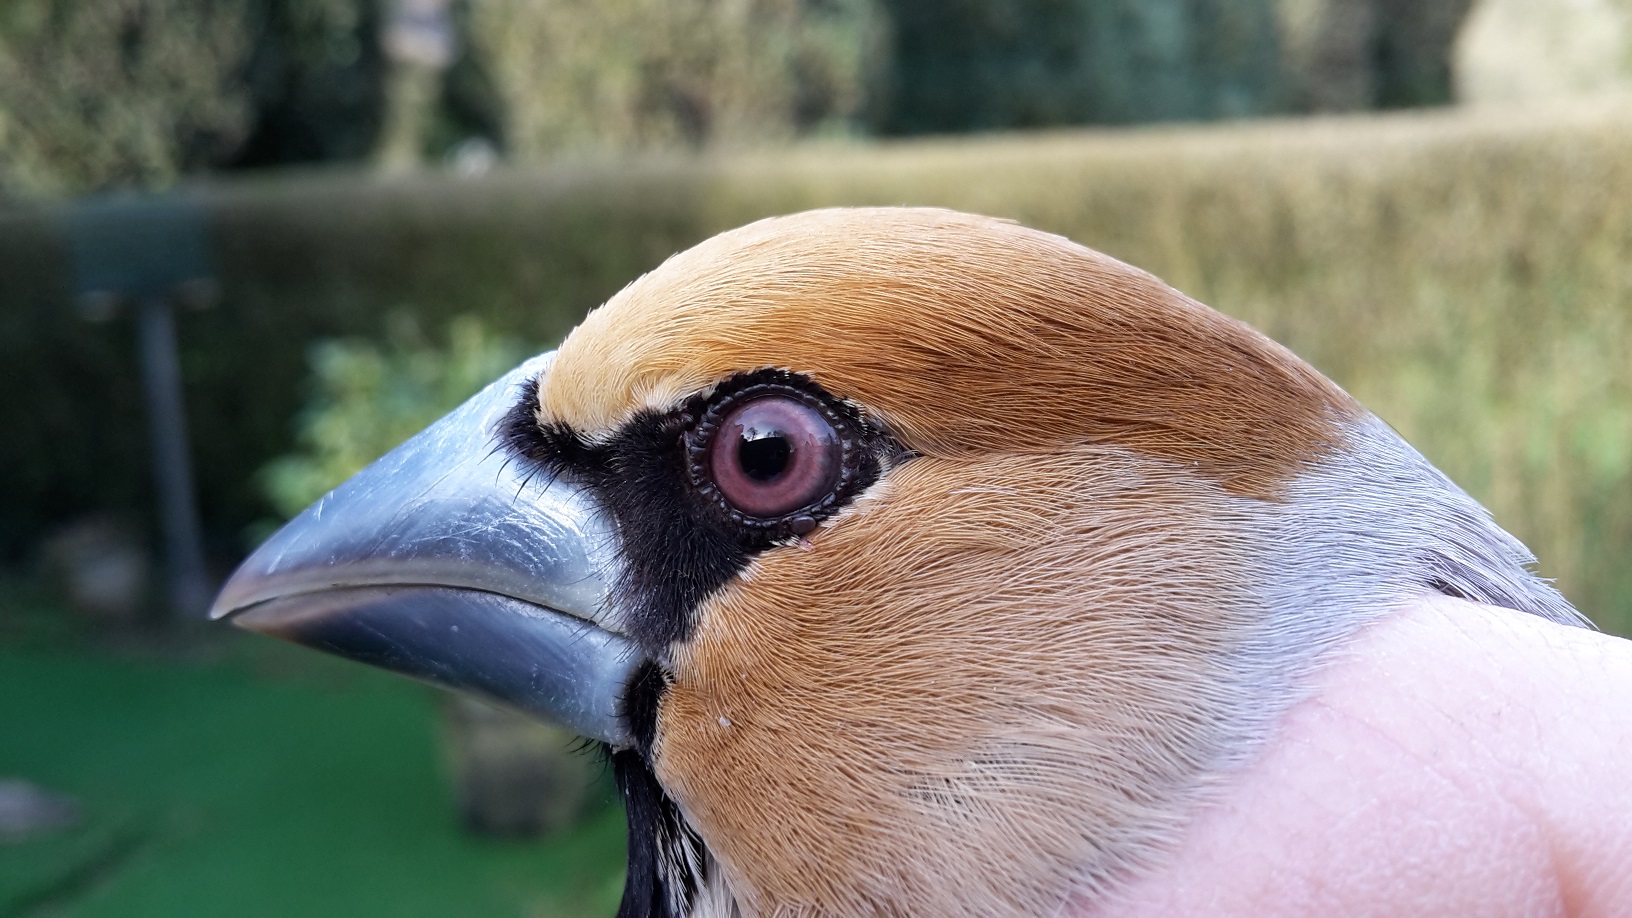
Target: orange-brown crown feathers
[(959, 332)]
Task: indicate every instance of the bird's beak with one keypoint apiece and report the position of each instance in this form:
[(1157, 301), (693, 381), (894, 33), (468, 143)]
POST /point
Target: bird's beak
[(443, 562)]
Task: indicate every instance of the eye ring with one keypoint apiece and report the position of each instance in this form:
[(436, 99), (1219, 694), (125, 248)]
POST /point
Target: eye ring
[(773, 458)]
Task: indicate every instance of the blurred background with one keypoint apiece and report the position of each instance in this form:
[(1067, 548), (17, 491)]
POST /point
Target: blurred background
[(248, 245)]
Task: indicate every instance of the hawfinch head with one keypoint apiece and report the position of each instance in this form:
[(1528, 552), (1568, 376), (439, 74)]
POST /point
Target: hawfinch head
[(905, 561)]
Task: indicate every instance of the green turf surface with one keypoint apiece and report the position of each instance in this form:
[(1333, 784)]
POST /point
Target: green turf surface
[(247, 780)]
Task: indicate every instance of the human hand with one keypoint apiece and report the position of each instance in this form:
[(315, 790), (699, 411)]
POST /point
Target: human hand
[(1458, 759)]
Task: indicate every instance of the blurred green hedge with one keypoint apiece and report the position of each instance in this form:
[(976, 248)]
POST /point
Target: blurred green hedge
[(370, 395), (1468, 276)]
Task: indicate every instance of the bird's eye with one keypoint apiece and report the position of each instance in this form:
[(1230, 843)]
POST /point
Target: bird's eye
[(773, 455)]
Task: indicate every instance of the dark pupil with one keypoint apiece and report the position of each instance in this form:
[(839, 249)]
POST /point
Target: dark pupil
[(764, 458)]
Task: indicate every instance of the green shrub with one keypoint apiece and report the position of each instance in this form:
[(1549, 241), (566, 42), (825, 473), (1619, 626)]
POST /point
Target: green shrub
[(368, 396), (119, 92), (982, 65), (611, 75)]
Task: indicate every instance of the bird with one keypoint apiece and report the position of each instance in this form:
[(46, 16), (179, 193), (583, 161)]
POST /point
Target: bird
[(902, 561)]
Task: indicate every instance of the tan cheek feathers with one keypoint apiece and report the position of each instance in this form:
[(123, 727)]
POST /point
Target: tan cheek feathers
[(965, 334), (970, 697)]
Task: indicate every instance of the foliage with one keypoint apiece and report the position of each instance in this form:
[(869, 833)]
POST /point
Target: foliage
[(1354, 55), (96, 95), (118, 92), (988, 64), (135, 93), (1411, 48), (367, 397), (1459, 272), (578, 75), (315, 78)]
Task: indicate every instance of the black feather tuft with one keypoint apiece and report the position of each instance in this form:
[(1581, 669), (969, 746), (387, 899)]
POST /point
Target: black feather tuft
[(666, 859), (640, 702), (551, 447)]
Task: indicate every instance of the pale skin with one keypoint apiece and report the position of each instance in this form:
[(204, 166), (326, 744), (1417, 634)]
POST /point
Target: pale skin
[(1456, 760)]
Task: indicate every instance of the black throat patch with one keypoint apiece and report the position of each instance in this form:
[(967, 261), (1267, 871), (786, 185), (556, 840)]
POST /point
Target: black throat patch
[(667, 860)]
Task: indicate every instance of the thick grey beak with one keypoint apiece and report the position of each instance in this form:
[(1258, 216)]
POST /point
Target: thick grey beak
[(443, 562)]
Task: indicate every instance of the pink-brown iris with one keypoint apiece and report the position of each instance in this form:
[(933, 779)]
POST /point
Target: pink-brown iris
[(774, 455)]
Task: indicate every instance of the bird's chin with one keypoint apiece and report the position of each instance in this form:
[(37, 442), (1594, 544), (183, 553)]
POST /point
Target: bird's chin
[(541, 661)]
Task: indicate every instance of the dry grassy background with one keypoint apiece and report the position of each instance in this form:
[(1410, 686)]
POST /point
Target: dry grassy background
[(1468, 275)]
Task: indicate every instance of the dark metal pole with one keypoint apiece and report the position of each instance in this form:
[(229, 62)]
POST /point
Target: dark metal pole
[(189, 587)]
